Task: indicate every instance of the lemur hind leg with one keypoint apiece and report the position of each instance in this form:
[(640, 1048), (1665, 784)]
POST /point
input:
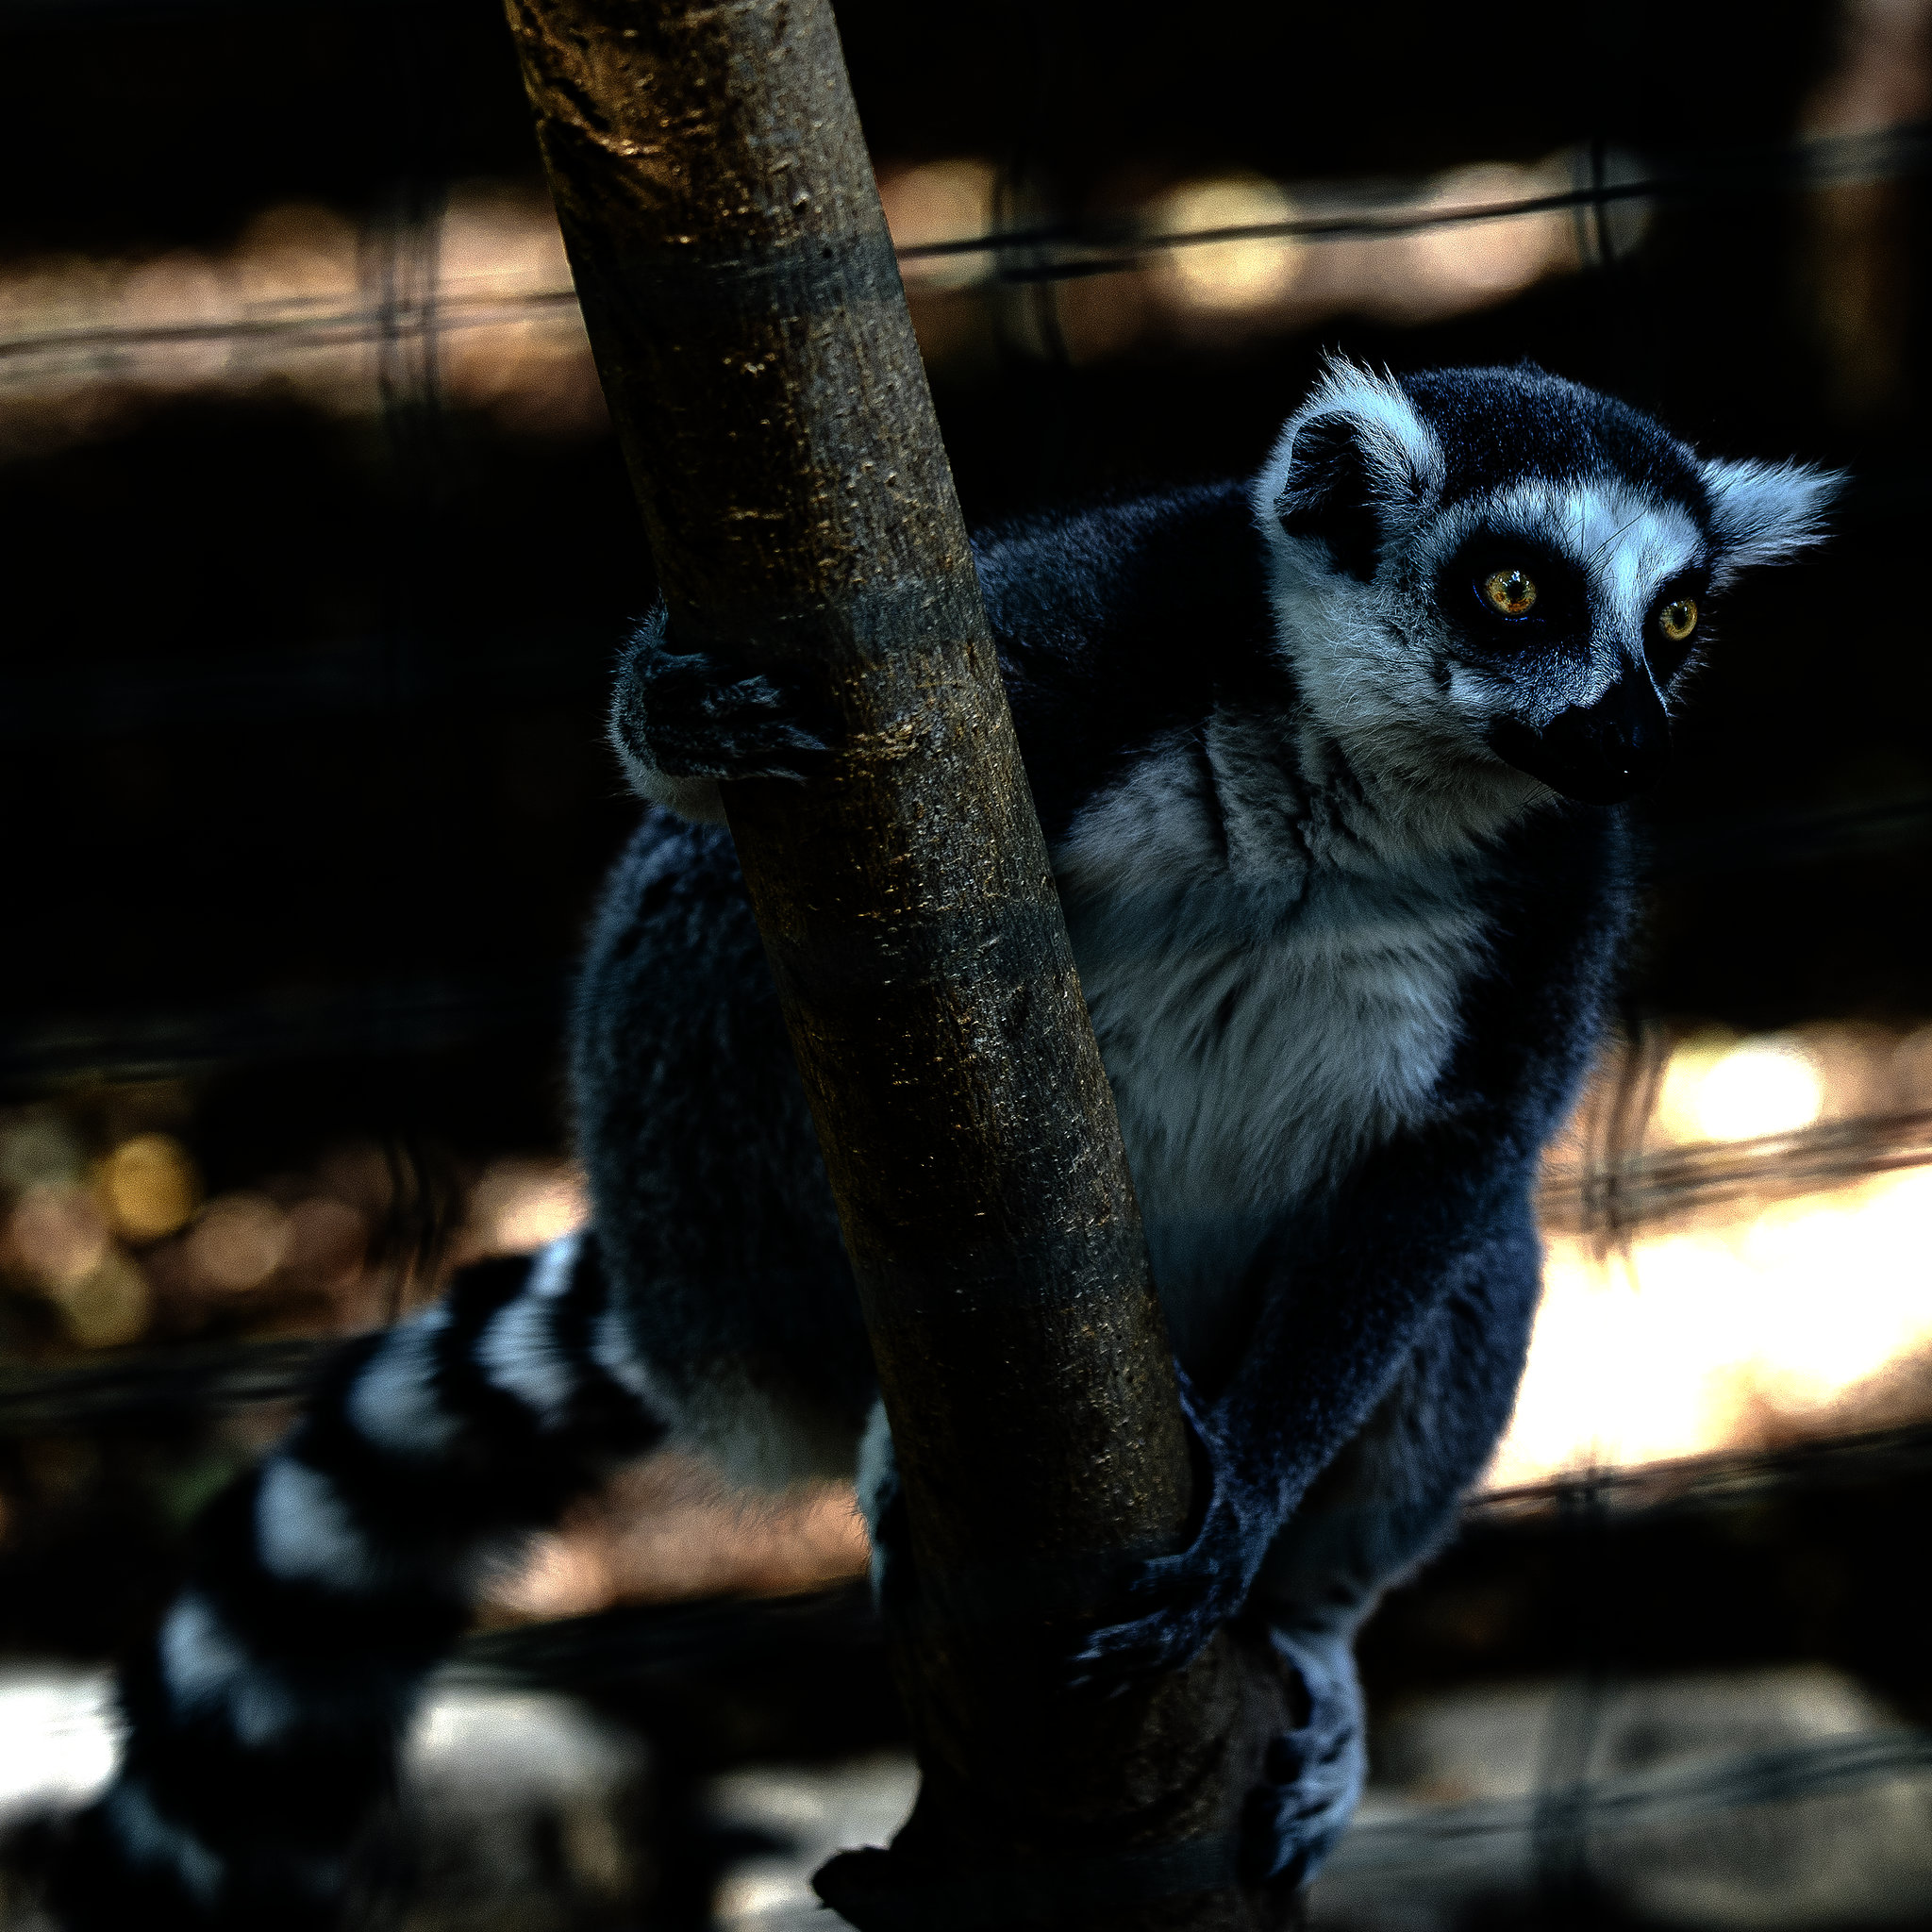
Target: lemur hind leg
[(264, 1716), (1317, 1588), (712, 1209), (1380, 1511)]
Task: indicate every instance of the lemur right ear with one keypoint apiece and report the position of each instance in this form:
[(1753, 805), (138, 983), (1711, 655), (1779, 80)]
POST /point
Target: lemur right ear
[(1329, 493), (1353, 458)]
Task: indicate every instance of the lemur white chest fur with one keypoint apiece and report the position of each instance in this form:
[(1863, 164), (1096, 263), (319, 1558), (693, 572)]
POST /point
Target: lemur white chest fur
[(1274, 973)]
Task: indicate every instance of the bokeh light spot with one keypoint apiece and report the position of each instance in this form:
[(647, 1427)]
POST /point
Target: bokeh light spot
[(149, 1186), (939, 201), (57, 1234), (1244, 271), (238, 1243), (109, 1308), (1763, 1086)]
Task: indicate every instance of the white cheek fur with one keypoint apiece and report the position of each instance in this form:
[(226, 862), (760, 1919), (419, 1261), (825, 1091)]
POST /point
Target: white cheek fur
[(1379, 666)]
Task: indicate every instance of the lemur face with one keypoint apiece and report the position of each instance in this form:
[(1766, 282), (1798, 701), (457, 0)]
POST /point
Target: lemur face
[(1492, 574), (1565, 613)]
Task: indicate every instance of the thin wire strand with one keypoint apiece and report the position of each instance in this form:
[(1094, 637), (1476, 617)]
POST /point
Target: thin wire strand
[(1819, 161), (1025, 255)]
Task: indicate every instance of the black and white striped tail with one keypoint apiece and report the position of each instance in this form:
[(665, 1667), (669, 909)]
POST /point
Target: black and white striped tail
[(263, 1720)]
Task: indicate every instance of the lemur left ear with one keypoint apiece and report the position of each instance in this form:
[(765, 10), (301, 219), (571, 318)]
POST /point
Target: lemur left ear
[(1764, 512), (1350, 460)]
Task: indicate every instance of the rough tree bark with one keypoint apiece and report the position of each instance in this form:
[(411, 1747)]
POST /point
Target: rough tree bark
[(746, 309)]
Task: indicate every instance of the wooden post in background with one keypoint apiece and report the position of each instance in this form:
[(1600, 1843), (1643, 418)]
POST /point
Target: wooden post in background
[(744, 305)]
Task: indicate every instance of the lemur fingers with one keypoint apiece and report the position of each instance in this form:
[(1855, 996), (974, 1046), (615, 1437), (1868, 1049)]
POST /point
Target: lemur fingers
[(680, 712), (264, 1717)]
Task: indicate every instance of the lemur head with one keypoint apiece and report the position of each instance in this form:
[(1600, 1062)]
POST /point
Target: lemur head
[(1485, 573)]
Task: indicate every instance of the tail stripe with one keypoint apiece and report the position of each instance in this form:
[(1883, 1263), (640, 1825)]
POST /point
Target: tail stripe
[(610, 1350), (306, 1531), (393, 1401), (150, 1839), (302, 1619), (618, 1390), (208, 1669), (555, 1268), (519, 1354)]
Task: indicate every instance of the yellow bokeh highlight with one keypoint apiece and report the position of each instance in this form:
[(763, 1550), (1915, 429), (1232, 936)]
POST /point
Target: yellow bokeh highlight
[(1245, 270), (148, 1187)]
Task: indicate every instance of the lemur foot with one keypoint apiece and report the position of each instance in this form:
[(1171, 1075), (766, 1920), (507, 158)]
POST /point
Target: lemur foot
[(1175, 1604), (1314, 1772), (681, 712)]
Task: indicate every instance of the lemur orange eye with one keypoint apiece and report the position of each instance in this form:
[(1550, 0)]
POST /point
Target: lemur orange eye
[(1510, 592), (1678, 619)]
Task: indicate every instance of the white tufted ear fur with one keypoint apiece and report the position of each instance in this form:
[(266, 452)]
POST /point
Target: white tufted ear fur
[(1764, 512), (1397, 449), (1348, 465)]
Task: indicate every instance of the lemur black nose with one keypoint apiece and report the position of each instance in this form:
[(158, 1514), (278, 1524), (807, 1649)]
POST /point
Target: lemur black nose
[(1600, 753)]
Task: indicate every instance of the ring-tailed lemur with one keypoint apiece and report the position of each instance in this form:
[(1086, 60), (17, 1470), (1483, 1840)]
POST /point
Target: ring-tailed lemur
[(1328, 764)]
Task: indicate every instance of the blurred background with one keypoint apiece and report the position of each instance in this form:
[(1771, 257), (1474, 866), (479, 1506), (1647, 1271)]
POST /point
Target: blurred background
[(318, 551)]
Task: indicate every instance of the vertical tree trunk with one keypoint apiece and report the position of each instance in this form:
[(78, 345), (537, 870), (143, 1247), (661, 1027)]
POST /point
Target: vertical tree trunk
[(744, 305)]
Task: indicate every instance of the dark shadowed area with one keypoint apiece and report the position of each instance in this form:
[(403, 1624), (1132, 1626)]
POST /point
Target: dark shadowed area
[(319, 551)]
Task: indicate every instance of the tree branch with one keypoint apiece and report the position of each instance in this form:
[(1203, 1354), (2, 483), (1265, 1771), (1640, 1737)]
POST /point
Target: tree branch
[(744, 305)]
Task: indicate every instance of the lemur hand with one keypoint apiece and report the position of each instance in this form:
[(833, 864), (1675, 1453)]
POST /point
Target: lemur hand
[(1176, 1603), (684, 713)]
